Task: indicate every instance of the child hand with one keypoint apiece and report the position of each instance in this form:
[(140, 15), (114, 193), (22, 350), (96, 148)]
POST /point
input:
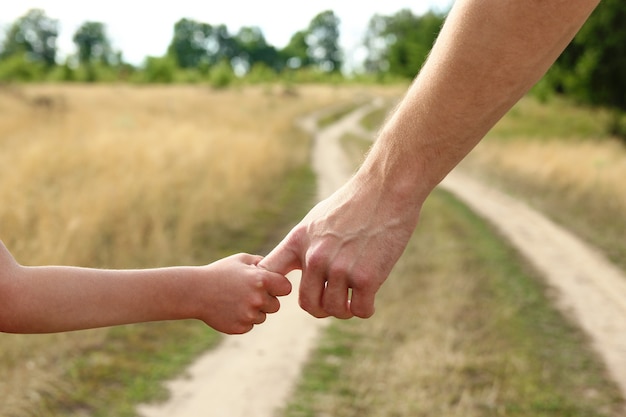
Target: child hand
[(241, 293)]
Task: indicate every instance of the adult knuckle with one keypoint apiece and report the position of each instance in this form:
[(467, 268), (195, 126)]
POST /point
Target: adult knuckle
[(317, 258), (339, 269), (364, 280), (362, 312), (338, 311), (305, 304), (312, 308), (298, 233)]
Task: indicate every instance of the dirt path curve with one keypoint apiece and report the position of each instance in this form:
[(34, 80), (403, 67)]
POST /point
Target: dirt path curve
[(252, 374), (587, 287)]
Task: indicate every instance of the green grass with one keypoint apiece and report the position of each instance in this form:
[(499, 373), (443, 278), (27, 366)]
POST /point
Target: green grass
[(463, 328), (557, 118), (111, 377)]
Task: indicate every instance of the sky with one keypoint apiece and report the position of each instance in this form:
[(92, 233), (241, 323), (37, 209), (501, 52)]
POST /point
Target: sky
[(141, 28)]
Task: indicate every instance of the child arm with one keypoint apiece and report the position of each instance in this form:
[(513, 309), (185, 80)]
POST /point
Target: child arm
[(230, 295)]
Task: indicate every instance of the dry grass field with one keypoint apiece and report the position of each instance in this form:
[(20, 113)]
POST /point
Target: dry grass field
[(127, 177), (118, 176)]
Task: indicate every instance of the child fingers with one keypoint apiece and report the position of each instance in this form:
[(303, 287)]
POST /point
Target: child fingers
[(276, 285), (271, 305), (260, 318)]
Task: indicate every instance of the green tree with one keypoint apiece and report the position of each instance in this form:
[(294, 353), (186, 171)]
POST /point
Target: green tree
[(195, 44), (252, 49), (221, 46), (93, 44), (323, 42), (33, 35), (400, 43), (295, 54), (189, 43), (377, 45), (593, 67)]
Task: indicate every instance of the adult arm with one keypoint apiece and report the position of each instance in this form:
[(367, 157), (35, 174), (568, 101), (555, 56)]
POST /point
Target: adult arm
[(488, 55), (230, 295)]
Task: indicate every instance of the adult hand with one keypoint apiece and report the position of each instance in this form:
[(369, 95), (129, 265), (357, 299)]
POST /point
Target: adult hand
[(488, 54), (346, 247)]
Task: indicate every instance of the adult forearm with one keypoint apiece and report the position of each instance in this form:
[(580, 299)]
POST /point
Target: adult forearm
[(488, 55)]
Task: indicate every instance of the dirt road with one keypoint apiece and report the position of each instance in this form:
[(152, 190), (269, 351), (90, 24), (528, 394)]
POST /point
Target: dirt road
[(252, 374), (586, 285)]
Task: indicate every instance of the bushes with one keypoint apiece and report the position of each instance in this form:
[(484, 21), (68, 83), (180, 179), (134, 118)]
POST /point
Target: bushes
[(88, 73), (617, 125), (19, 68), (158, 70), (155, 70), (221, 75)]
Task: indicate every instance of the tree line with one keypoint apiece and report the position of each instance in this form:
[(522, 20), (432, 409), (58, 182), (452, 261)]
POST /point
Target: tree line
[(396, 45), (592, 69)]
